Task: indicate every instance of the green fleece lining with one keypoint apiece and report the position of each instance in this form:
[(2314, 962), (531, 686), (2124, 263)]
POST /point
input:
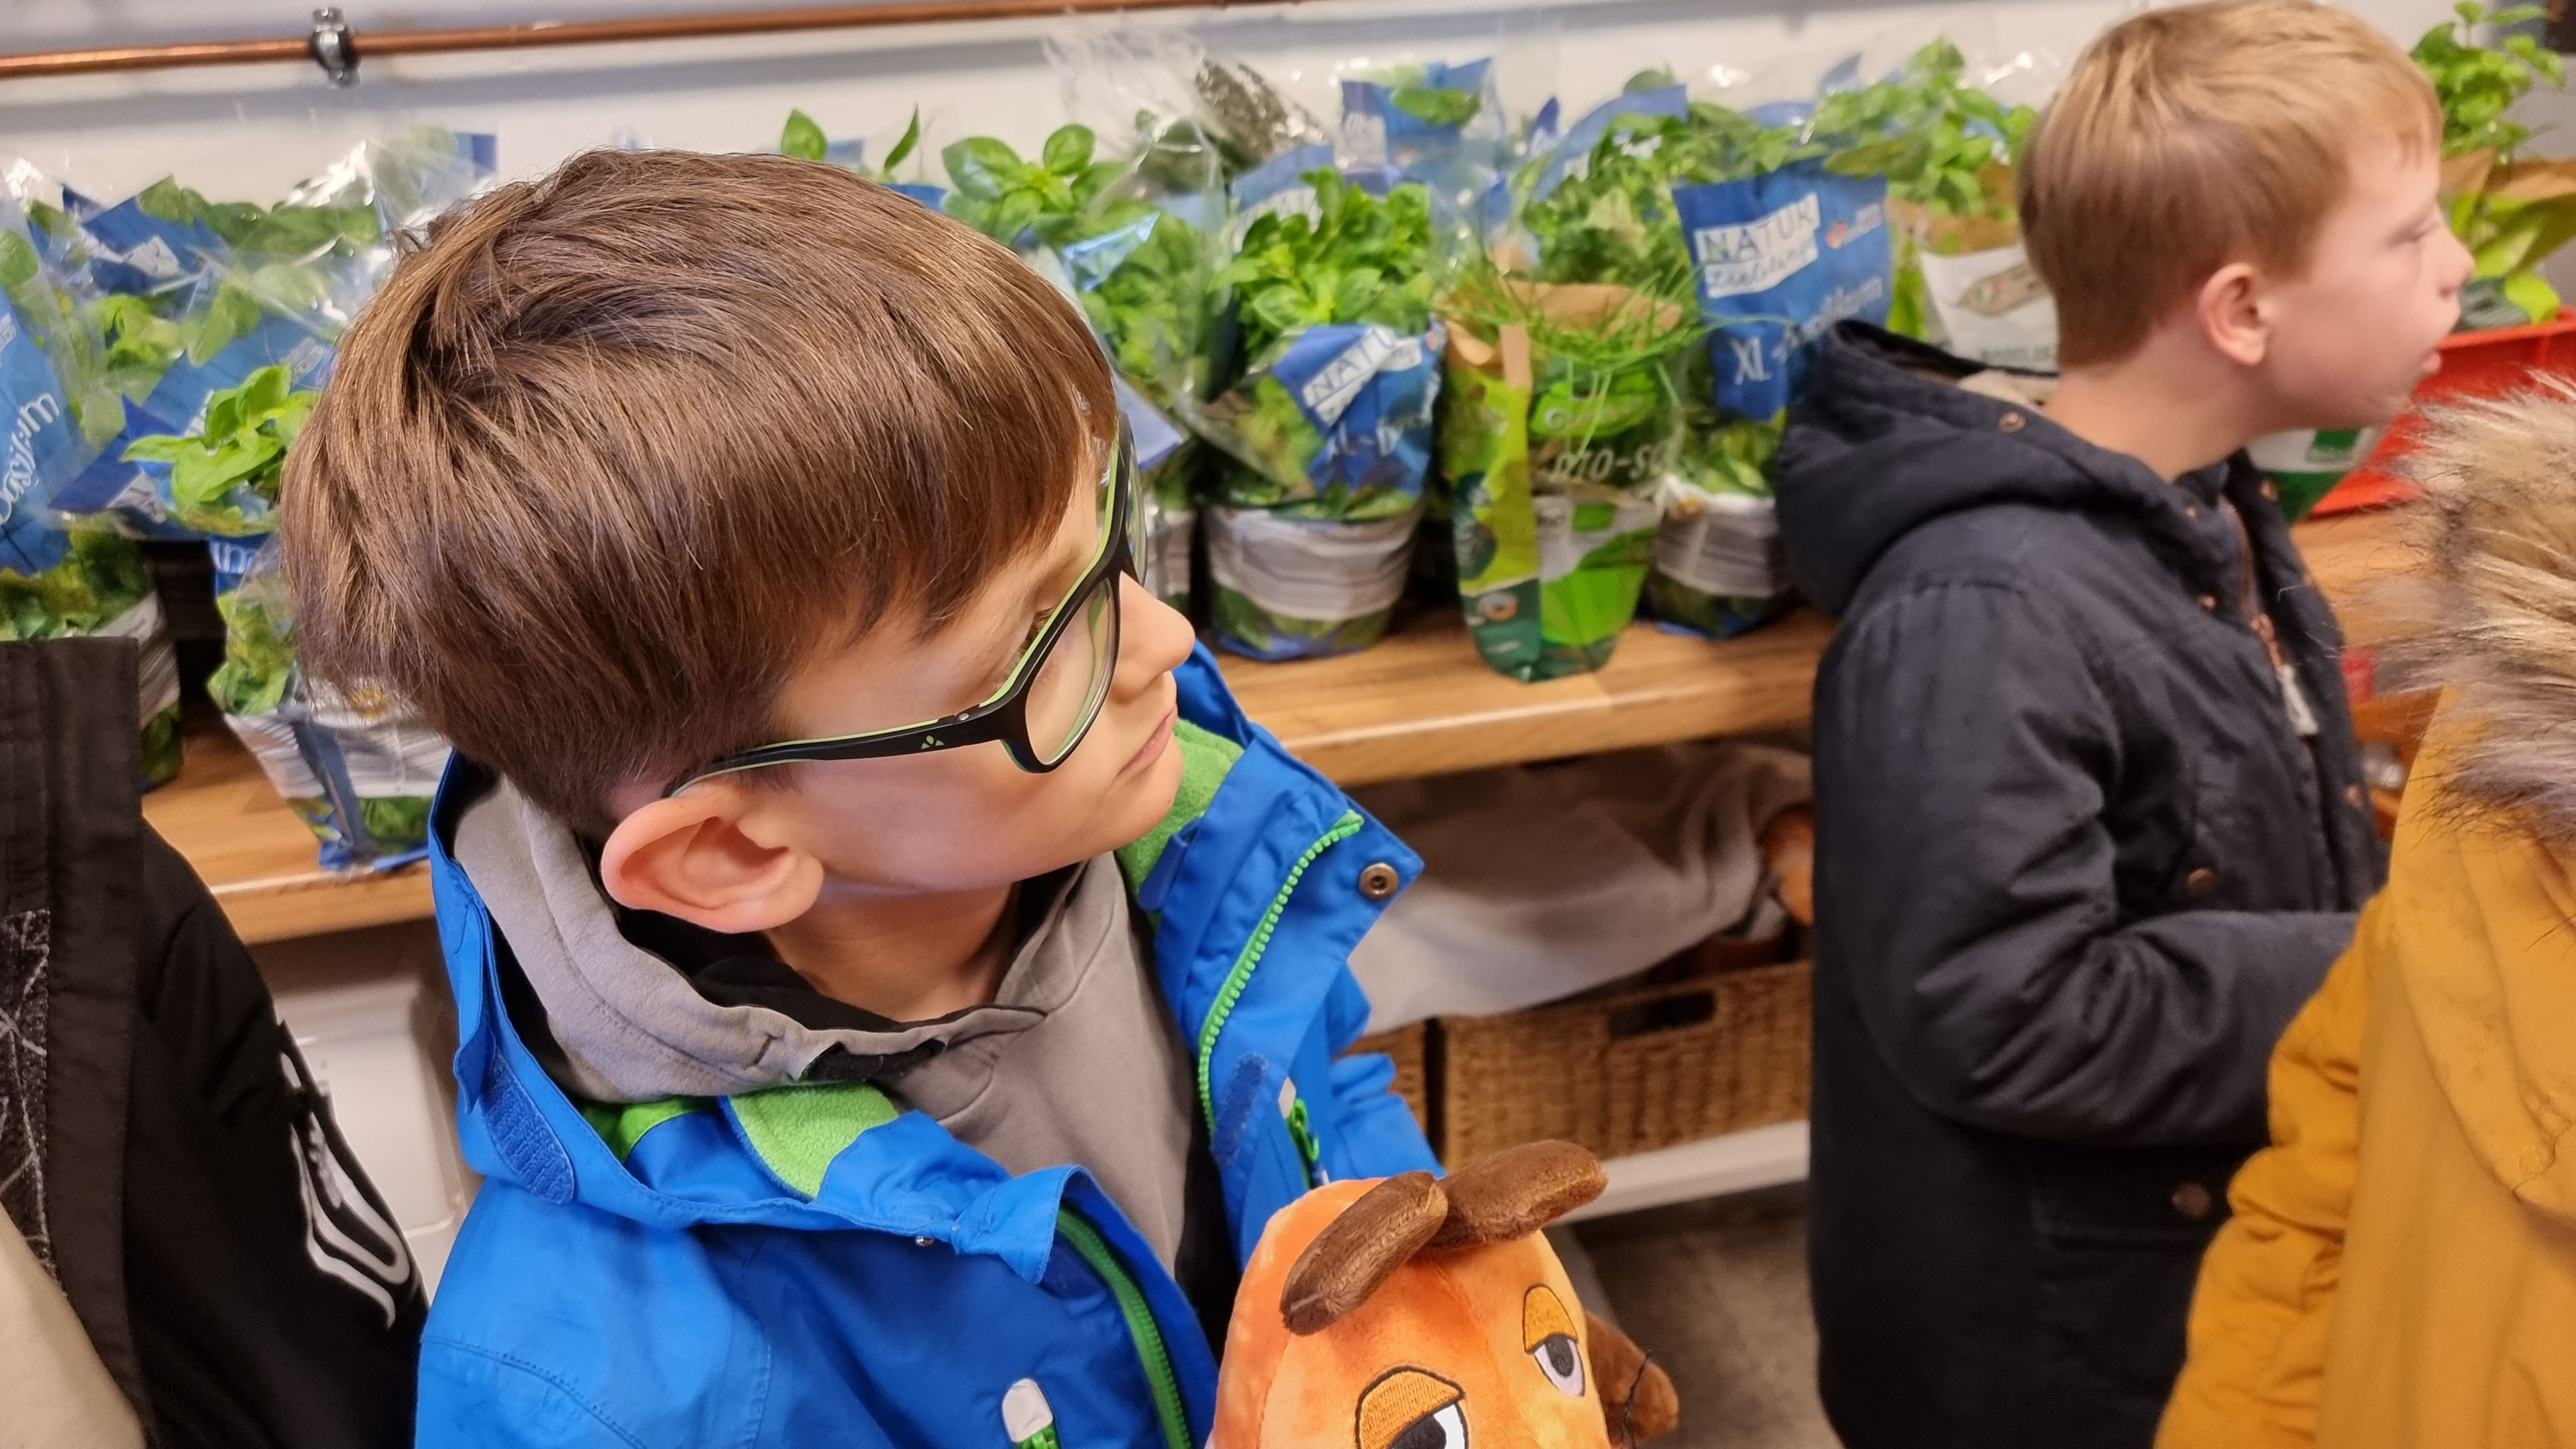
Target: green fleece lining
[(1205, 760), (799, 1130), (623, 1124)]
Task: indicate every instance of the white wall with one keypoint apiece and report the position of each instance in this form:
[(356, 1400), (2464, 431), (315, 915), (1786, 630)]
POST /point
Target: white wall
[(250, 132)]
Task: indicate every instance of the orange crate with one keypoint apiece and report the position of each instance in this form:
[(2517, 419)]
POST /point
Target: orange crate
[(2487, 363)]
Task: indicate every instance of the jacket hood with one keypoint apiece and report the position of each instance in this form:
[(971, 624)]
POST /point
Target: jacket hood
[(1893, 434), (2487, 909), (2494, 619), (624, 1024)]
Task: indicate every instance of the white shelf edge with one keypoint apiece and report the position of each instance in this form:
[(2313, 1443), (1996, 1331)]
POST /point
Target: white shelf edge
[(1737, 1162)]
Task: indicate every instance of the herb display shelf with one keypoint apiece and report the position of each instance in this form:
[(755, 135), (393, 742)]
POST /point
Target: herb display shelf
[(1420, 703)]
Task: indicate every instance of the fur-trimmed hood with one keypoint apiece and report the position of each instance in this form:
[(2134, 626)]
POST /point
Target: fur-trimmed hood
[(2495, 615)]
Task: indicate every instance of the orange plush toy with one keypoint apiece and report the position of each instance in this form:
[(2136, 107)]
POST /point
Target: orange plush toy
[(1421, 1313)]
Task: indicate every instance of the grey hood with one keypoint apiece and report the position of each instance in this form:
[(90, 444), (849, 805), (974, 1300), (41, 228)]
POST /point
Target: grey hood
[(627, 1025)]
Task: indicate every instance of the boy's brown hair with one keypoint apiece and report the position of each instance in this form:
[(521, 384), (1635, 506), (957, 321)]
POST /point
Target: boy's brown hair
[(2191, 138), (618, 450)]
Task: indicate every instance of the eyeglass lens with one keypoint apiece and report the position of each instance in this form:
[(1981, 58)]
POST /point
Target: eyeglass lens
[(1074, 677)]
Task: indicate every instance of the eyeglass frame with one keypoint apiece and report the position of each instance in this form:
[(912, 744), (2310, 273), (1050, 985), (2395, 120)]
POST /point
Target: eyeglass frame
[(1004, 716)]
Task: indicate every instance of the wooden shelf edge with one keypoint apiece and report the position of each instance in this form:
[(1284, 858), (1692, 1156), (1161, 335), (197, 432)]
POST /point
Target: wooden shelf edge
[(1737, 1162), (1420, 703)]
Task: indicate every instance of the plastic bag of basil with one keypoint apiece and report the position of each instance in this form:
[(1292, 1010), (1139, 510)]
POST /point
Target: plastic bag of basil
[(1325, 428), (1131, 239), (358, 768), (359, 771), (62, 577), (1961, 277), (1782, 248)]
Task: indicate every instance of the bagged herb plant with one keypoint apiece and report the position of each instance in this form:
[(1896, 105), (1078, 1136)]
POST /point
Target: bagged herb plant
[(1325, 430), (1560, 421)]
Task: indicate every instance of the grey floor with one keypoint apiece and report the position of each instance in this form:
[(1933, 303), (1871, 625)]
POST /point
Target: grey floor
[(1717, 1291)]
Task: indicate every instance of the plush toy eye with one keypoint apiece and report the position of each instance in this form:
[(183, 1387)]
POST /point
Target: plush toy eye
[(1560, 1358), (1440, 1429)]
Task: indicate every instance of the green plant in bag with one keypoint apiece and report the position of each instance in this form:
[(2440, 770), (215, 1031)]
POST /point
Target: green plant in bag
[(1000, 195), (1359, 259), (1615, 221), (101, 576), (223, 480), (259, 647)]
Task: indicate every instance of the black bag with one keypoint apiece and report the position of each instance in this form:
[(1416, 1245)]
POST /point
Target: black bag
[(163, 1147)]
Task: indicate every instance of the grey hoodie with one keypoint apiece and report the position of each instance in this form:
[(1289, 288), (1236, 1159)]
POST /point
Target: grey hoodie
[(1077, 1060)]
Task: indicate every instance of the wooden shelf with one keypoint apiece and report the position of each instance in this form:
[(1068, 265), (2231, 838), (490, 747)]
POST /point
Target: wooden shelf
[(1419, 703)]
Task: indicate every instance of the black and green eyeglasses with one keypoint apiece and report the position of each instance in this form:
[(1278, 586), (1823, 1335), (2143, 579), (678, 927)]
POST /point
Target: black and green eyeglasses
[(1052, 695)]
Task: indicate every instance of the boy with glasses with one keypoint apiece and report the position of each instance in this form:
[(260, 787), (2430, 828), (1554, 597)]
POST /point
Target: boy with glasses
[(895, 983)]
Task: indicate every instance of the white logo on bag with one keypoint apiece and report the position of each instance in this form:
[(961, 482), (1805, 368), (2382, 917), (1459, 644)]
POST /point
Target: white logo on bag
[(36, 413), (1757, 255), (1333, 388)]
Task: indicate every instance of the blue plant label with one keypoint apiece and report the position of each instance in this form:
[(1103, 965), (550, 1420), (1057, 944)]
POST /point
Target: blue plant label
[(1369, 391), (1278, 185), (1388, 123), (921, 191), (179, 399), (1781, 258), (1571, 156), (134, 252), (43, 449), (1089, 262)]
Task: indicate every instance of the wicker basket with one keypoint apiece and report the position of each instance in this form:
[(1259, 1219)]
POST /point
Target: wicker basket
[(1411, 1048), (1629, 1070)]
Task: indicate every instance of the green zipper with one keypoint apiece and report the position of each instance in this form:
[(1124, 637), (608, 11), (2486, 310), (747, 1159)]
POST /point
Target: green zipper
[(1301, 1130), (1241, 975), (1141, 1327)]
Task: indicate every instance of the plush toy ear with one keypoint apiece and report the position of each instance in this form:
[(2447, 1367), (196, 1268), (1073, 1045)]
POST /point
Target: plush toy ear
[(1516, 1192), (1358, 1250), (1637, 1397)]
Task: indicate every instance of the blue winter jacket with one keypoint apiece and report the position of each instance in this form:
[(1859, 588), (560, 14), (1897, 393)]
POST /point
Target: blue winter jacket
[(813, 1265)]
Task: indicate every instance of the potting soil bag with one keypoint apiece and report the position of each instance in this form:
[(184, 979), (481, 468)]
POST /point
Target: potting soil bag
[(358, 769), (1557, 430), (100, 586), (1296, 588)]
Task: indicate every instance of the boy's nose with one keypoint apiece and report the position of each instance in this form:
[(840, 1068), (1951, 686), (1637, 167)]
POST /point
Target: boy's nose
[(1153, 638)]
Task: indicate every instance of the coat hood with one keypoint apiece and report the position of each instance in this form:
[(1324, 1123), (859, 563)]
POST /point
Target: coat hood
[(2484, 893), (1893, 434)]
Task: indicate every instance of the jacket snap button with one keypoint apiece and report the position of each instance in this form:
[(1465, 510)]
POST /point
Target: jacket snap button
[(924, 1242), (2209, 603), (2271, 494), (2200, 882), (2193, 1201), (2352, 794), (2012, 422), (1378, 880)]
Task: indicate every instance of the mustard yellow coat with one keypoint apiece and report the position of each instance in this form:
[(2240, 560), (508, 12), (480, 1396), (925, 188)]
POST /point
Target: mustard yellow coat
[(2401, 1268)]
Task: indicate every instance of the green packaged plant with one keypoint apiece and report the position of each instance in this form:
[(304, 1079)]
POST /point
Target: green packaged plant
[(1560, 421)]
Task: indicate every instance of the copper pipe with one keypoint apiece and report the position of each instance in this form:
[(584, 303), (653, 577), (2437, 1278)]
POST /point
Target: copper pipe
[(368, 44)]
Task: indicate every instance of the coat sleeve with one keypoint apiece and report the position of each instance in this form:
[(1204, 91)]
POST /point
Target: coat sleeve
[(2257, 1338), (1964, 746), (1374, 1131)]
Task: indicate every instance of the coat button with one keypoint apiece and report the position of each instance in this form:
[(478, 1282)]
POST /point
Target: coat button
[(2193, 1201), (2191, 510), (2353, 797), (2200, 882), (1378, 880), (2271, 494), (2209, 603), (2012, 422)]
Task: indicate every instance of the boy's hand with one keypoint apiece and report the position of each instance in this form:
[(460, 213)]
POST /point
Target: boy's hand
[(1789, 847)]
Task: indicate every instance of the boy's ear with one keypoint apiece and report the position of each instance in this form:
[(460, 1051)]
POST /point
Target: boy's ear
[(2230, 310), (691, 856)]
